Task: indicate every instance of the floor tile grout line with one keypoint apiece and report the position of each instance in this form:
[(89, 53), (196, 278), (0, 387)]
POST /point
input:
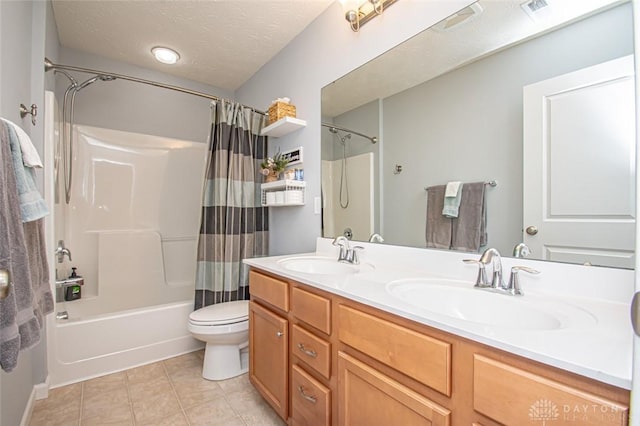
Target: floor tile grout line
[(175, 392), (128, 389)]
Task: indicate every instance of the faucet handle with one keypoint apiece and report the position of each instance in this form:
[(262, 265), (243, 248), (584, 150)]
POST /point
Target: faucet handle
[(481, 279), (352, 255), (514, 283)]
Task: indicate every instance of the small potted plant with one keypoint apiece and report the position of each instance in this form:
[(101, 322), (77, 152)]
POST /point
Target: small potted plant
[(273, 166)]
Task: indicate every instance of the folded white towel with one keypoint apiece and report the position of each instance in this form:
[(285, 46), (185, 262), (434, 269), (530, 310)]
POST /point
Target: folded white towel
[(452, 189), (30, 156), (452, 202)]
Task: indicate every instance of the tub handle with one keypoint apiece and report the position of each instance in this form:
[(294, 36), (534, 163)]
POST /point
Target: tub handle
[(5, 283)]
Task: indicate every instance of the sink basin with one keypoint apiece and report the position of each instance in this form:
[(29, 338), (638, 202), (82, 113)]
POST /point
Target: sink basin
[(319, 265), (459, 300)]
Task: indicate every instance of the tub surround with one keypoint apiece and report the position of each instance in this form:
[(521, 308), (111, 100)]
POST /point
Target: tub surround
[(599, 349)]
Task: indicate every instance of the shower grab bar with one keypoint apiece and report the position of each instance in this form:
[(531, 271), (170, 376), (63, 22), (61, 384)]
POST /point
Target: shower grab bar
[(491, 183), (373, 139)]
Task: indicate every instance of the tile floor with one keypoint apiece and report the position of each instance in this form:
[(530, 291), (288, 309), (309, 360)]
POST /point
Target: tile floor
[(170, 392)]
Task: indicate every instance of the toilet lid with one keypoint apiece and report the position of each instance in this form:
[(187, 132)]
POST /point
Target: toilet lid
[(222, 313)]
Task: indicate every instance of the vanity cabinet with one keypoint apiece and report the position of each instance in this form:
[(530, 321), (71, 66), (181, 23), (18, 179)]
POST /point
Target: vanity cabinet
[(269, 340), (341, 362)]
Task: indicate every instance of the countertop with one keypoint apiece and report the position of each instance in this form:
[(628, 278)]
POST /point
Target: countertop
[(600, 348)]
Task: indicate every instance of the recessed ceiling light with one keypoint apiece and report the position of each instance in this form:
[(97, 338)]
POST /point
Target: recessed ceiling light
[(165, 55)]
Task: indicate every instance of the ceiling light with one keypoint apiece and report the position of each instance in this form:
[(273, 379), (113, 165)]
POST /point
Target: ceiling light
[(359, 12), (165, 55)]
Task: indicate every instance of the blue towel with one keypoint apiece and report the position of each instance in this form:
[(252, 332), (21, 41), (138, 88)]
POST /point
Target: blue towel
[(452, 203), (32, 206)]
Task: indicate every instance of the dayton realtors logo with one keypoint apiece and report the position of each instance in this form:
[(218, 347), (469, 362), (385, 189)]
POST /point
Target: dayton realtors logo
[(543, 411)]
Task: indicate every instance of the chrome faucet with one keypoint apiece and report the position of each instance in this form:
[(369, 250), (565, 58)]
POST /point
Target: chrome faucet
[(492, 256), (376, 238), (521, 250), (61, 251), (347, 254)]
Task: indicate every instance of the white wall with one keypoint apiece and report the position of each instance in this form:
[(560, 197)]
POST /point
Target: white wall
[(325, 51)]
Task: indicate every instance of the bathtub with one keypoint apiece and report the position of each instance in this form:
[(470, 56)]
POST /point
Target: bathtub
[(85, 346), (132, 229)]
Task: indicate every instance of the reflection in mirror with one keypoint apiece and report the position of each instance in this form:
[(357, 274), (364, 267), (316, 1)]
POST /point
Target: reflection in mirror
[(448, 105)]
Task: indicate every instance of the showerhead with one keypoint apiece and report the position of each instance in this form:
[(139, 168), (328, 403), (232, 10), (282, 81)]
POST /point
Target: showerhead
[(87, 83)]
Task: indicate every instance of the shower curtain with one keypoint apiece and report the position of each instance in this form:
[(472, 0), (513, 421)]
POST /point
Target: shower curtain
[(234, 225)]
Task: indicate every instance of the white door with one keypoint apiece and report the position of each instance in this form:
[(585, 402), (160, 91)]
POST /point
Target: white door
[(579, 166)]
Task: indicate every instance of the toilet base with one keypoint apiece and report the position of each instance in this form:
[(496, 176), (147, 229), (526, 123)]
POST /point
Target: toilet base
[(225, 361)]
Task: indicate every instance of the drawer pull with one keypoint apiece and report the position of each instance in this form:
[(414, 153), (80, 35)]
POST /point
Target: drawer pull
[(279, 334), (309, 352), (309, 398)]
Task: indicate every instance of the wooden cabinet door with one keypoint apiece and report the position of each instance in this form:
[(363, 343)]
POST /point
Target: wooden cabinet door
[(368, 397), (269, 356)]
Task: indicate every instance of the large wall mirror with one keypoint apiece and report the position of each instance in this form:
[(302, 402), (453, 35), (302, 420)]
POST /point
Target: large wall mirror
[(450, 104)]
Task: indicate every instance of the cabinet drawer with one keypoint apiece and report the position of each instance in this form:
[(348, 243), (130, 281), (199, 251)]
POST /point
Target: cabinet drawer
[(310, 400), (313, 309), (269, 289), (513, 396), (424, 358), (311, 350), (368, 397)]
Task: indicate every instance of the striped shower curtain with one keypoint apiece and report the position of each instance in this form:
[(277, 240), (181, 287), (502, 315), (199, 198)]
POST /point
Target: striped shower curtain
[(234, 226)]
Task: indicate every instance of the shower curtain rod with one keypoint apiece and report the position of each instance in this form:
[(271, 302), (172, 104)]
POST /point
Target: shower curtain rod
[(373, 139), (48, 66)]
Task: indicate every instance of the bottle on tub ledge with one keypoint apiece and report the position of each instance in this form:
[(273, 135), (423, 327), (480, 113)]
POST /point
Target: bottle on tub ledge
[(73, 289)]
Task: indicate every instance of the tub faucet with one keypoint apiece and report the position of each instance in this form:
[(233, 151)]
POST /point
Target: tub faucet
[(61, 251)]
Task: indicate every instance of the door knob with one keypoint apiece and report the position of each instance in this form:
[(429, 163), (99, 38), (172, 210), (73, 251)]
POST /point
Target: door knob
[(532, 230)]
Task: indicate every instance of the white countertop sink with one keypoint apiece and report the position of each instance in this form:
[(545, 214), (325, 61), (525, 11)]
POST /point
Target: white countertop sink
[(321, 265), (459, 300)]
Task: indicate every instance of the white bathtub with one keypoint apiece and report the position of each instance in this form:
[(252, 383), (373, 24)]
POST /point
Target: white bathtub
[(84, 347), (132, 228)]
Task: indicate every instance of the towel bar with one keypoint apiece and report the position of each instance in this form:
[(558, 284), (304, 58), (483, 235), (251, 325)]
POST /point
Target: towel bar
[(491, 183)]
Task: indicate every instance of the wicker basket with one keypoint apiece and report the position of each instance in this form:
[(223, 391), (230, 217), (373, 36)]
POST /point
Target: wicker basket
[(279, 110)]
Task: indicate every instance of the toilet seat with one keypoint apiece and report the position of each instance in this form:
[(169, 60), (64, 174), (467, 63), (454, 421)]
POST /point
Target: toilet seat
[(221, 314)]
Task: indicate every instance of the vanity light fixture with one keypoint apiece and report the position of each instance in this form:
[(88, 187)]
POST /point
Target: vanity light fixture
[(165, 55), (359, 12)]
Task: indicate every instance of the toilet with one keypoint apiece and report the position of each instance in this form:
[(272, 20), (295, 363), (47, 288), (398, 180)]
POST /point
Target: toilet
[(224, 327)]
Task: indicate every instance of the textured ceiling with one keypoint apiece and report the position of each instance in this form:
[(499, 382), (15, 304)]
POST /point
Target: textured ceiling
[(436, 51), (221, 42)]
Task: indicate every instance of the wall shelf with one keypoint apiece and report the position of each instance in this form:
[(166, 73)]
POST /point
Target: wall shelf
[(283, 127), (283, 193)]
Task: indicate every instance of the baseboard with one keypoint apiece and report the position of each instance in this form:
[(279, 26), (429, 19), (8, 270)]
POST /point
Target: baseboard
[(42, 390), (39, 391)]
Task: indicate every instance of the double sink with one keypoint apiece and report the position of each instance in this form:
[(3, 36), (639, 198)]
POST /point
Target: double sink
[(455, 299)]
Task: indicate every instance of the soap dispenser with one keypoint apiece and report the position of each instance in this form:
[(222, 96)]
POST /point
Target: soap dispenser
[(73, 291)]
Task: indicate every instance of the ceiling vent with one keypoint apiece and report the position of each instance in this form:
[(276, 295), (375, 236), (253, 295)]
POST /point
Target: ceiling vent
[(459, 17), (536, 9)]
